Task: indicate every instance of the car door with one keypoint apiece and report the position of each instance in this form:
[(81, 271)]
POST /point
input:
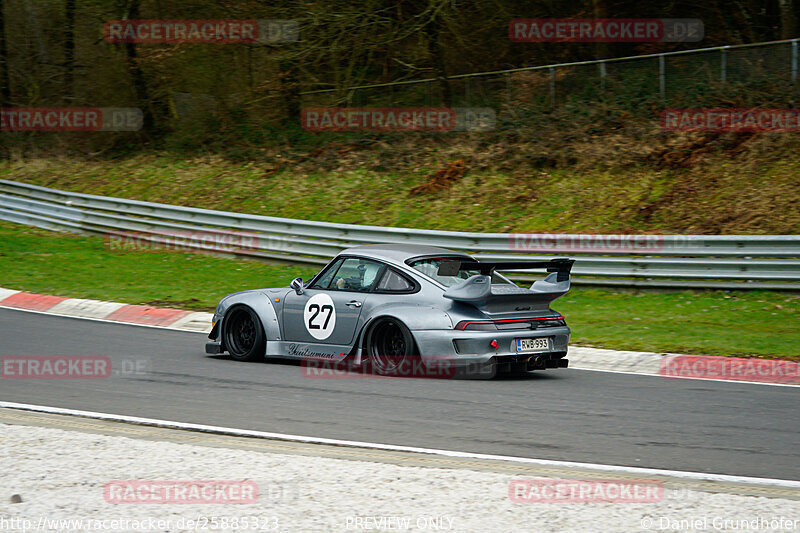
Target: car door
[(327, 312)]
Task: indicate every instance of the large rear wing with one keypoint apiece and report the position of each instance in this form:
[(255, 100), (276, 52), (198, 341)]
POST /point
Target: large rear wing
[(478, 290), (561, 266)]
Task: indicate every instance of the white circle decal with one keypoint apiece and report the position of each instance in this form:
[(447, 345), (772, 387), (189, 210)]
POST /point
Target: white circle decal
[(319, 316)]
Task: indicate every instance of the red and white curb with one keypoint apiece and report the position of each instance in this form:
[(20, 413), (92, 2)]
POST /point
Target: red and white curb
[(731, 369), (107, 311)]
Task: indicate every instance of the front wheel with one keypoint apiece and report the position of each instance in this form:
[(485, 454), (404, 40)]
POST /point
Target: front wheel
[(244, 336), (390, 347)]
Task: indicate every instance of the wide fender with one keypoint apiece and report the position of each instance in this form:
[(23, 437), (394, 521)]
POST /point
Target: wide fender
[(415, 317), (261, 303)]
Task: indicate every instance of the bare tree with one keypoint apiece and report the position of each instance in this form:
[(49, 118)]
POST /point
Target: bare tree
[(434, 34), (69, 52), (153, 110), (600, 11), (5, 86), (290, 89), (788, 19)]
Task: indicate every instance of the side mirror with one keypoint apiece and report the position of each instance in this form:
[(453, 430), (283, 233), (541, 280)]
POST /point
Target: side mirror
[(297, 285)]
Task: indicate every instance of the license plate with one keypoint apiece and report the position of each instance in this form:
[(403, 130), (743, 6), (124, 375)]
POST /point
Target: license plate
[(533, 345)]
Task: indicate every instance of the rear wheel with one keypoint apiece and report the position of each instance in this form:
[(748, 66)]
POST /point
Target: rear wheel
[(243, 336), (390, 347)]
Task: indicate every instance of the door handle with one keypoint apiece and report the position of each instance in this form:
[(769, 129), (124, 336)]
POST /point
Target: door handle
[(353, 303)]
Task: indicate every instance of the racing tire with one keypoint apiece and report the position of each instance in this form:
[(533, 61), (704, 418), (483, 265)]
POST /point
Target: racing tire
[(390, 347), (243, 334)]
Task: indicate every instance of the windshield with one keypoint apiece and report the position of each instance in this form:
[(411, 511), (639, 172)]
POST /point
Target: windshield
[(430, 267)]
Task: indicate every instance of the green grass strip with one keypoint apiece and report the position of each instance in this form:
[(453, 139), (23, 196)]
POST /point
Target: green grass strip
[(733, 323)]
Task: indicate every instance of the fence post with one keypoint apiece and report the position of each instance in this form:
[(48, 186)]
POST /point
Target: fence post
[(723, 74), (467, 91), (508, 89), (662, 77), (794, 60), (603, 76), (552, 86)]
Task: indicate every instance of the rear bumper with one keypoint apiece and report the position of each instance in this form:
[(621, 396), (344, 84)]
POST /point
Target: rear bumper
[(474, 347)]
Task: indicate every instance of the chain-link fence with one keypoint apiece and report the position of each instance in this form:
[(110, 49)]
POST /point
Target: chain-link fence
[(762, 75)]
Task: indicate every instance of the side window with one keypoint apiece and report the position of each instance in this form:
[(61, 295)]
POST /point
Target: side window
[(325, 281), (394, 282), (356, 274)]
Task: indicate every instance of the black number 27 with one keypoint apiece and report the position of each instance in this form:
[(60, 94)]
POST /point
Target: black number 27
[(315, 309)]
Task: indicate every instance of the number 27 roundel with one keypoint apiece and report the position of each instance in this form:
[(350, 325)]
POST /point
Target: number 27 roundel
[(319, 316)]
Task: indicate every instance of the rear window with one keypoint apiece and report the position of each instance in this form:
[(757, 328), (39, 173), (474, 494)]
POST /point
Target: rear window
[(430, 267)]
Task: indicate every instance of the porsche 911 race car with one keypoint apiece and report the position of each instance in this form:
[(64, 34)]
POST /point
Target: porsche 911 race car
[(383, 304)]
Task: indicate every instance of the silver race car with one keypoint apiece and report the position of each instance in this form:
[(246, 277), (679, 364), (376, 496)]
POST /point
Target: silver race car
[(382, 305)]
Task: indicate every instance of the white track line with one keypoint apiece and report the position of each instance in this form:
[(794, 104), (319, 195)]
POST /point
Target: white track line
[(572, 367), (410, 449), (684, 378)]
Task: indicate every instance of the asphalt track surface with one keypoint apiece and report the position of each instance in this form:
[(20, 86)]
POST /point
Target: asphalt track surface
[(561, 414)]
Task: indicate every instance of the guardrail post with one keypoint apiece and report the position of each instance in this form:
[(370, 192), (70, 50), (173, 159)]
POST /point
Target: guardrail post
[(662, 77), (552, 86), (794, 60), (603, 76), (723, 67)]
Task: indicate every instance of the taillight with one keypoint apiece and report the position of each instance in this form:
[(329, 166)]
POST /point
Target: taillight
[(551, 323), (476, 325), (511, 323)]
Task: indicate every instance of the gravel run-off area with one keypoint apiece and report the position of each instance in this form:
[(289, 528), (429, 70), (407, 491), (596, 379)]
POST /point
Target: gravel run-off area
[(61, 475)]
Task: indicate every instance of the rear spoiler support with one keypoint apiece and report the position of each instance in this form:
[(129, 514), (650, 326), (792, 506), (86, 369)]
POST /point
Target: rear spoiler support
[(562, 266)]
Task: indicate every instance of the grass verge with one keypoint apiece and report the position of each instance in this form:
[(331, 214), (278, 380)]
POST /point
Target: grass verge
[(743, 323), (356, 188)]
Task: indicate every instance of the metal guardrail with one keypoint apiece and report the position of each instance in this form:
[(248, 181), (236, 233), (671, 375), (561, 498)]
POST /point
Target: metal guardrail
[(724, 262)]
